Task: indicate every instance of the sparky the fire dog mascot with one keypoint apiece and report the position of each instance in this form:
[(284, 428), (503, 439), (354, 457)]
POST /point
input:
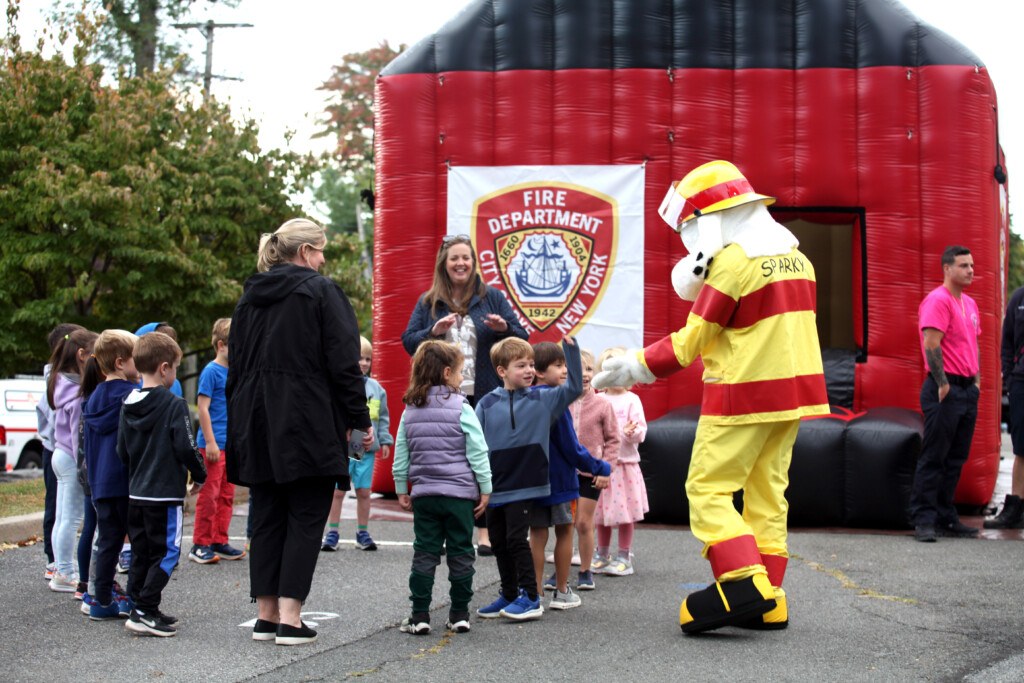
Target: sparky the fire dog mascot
[(753, 324)]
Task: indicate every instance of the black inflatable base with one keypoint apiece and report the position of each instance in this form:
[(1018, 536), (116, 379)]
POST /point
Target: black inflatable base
[(847, 470)]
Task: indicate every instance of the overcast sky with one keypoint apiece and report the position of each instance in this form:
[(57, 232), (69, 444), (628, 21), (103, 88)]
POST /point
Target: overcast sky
[(290, 49)]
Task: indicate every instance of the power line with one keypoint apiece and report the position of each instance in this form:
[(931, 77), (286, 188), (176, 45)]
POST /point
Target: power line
[(206, 28)]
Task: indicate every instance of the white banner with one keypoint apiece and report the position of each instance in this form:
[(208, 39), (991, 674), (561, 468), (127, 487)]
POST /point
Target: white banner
[(564, 243)]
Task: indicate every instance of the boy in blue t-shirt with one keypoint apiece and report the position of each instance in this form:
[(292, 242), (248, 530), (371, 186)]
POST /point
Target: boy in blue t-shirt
[(360, 472), (217, 498)]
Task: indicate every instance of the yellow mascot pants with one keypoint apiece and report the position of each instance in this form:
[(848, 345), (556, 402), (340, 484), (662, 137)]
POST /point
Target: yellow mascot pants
[(755, 458)]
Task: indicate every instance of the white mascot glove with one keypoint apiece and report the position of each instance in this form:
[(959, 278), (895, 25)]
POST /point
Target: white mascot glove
[(622, 371)]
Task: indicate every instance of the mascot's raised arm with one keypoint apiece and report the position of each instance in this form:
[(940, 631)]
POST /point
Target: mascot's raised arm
[(753, 324)]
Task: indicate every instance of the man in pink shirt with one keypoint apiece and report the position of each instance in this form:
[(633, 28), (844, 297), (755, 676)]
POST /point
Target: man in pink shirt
[(949, 324)]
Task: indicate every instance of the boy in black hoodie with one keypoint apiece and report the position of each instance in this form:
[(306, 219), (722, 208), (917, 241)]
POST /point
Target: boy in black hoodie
[(155, 440)]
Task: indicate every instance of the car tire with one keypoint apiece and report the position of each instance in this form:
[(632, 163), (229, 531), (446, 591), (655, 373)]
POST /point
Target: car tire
[(31, 459)]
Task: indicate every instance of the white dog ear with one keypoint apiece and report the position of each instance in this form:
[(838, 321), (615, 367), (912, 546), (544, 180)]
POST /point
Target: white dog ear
[(703, 239), (689, 274)]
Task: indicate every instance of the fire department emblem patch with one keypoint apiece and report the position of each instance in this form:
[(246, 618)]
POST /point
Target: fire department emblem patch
[(551, 248)]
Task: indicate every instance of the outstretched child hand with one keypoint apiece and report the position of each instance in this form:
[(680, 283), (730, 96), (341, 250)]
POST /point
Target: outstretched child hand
[(481, 506), (566, 339), (601, 482), (405, 502), (630, 427)]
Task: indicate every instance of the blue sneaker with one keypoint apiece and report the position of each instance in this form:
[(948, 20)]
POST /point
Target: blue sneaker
[(203, 554), (227, 551), (585, 581), (549, 583), (124, 561), (523, 608), (87, 602), (493, 610), (98, 612), (125, 605), (363, 540), (330, 543)]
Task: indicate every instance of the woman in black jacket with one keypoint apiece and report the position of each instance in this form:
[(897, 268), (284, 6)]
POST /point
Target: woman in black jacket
[(294, 393)]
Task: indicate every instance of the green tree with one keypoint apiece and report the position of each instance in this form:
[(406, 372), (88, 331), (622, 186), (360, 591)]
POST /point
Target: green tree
[(1015, 273), (349, 119), (136, 34), (124, 204)]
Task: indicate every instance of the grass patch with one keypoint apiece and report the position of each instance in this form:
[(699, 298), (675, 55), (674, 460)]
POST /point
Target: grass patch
[(22, 497)]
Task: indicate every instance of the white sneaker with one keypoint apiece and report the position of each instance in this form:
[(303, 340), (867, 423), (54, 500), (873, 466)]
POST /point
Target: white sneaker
[(63, 584), (550, 559), (620, 566), (575, 559), (566, 600)]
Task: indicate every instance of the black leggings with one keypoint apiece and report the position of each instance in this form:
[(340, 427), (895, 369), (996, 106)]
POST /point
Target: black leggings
[(287, 523)]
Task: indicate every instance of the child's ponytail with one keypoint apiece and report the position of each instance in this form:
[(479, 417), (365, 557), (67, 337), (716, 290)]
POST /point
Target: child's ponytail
[(92, 377)]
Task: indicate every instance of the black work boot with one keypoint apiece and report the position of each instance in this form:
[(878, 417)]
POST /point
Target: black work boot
[(1011, 516)]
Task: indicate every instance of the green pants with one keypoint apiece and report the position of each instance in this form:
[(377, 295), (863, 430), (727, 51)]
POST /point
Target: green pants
[(439, 521)]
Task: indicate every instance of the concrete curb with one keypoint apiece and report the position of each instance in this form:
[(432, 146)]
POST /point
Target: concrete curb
[(22, 528)]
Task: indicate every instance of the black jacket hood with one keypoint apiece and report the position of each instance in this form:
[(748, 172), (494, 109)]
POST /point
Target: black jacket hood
[(269, 287)]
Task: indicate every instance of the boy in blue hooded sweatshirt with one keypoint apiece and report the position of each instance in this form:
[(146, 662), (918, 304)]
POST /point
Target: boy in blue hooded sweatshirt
[(566, 456), (109, 376), (517, 423)]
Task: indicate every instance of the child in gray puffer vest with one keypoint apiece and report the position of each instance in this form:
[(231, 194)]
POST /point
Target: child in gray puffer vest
[(441, 452)]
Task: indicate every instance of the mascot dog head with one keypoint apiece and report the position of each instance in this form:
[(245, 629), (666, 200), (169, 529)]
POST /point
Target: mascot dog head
[(712, 207)]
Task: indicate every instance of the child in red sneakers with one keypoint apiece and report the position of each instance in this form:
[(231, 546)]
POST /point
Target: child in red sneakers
[(217, 498)]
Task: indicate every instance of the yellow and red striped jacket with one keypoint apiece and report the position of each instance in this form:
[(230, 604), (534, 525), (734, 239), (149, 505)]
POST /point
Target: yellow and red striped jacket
[(753, 324)]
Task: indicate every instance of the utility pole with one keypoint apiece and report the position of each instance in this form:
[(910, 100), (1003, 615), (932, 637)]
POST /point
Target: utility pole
[(206, 28)]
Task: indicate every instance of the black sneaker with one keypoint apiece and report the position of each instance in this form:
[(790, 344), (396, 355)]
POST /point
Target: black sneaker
[(290, 635), (924, 533), (168, 619), (458, 622), (150, 624), (418, 624), (956, 529)]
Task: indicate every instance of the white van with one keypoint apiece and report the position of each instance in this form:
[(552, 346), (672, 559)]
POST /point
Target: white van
[(20, 445)]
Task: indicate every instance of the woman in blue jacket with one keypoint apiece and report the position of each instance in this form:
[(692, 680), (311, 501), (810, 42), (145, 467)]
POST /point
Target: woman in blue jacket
[(460, 308)]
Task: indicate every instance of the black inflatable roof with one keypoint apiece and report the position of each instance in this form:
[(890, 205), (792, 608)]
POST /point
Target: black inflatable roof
[(504, 35)]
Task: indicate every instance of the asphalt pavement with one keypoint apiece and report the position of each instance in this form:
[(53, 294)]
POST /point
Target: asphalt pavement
[(863, 607)]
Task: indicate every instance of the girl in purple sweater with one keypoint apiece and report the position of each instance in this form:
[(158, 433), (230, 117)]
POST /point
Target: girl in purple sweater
[(65, 398), (441, 452)]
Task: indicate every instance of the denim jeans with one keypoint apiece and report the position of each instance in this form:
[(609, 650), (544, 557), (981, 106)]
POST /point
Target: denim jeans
[(70, 511)]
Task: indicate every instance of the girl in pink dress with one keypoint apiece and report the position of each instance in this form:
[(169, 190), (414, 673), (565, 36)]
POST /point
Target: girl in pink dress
[(624, 502)]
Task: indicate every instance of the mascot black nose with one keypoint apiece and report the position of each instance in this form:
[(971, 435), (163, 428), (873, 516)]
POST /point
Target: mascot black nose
[(698, 270)]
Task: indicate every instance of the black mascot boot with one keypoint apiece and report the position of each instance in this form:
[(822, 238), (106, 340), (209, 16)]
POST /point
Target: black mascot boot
[(727, 603), (1011, 516)]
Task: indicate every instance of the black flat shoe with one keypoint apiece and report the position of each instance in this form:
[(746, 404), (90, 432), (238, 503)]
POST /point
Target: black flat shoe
[(290, 635)]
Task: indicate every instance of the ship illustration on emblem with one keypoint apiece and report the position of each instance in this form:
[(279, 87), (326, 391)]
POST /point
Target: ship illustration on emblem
[(543, 271)]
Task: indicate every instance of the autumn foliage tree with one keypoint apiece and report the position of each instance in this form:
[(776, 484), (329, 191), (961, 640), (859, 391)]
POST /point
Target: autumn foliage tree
[(348, 118), (124, 203)]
